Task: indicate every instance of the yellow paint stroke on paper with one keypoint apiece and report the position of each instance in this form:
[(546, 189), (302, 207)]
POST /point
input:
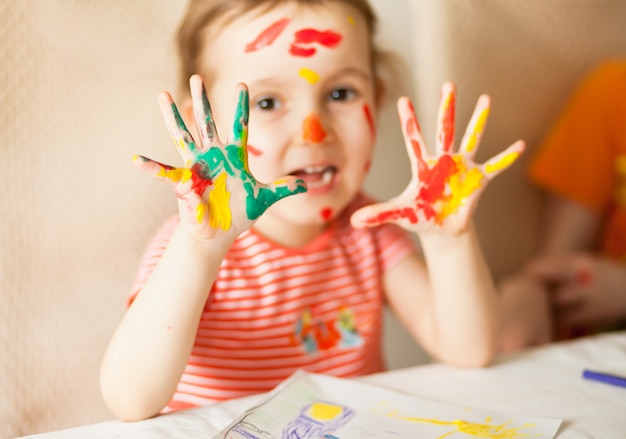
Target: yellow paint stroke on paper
[(321, 411), (478, 130), (462, 184), (504, 162), (219, 197), (309, 75), (177, 175), (474, 430)]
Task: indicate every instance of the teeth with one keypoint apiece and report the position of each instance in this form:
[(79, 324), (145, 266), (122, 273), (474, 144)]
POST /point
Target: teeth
[(314, 169), (327, 176)]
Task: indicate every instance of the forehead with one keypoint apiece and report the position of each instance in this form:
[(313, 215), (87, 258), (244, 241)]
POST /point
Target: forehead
[(326, 34)]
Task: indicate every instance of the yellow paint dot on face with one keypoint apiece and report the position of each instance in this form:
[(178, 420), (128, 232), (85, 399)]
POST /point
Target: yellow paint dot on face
[(321, 411), (309, 75), (351, 20)]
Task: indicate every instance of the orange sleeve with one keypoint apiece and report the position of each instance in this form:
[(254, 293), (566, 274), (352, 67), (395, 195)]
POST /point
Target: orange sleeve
[(576, 161)]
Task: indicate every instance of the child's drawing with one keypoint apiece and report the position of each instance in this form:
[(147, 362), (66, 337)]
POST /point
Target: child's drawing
[(311, 406)]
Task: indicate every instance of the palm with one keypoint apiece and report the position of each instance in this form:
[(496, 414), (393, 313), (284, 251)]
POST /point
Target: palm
[(217, 193), (446, 186)]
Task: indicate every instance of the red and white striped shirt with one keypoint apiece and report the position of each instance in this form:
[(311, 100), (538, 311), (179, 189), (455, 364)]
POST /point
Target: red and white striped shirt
[(273, 309)]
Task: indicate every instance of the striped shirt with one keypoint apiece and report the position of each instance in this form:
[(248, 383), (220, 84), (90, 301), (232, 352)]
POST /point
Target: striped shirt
[(274, 309)]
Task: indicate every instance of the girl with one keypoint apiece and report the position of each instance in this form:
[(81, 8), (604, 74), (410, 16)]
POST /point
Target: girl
[(277, 260)]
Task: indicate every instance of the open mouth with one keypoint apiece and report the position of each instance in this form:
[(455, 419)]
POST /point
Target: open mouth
[(317, 177)]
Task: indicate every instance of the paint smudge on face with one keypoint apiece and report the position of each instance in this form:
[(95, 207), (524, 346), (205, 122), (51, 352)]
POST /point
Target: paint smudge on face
[(326, 213), (370, 120), (304, 38), (308, 74), (254, 151), (368, 166), (268, 35), (312, 129), (351, 20)]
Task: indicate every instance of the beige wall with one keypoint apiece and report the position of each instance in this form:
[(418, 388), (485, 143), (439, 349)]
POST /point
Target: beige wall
[(78, 82)]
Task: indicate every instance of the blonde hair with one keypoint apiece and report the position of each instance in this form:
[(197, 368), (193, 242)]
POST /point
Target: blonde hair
[(203, 16)]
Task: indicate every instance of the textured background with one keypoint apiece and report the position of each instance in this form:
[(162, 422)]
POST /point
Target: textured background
[(78, 85)]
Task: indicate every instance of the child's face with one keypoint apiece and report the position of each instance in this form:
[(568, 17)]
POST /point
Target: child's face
[(312, 102)]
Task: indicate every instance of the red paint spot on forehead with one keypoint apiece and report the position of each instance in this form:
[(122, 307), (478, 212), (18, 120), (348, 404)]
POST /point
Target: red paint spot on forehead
[(304, 38)]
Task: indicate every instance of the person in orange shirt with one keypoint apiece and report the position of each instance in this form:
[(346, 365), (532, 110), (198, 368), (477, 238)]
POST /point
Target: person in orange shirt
[(577, 282)]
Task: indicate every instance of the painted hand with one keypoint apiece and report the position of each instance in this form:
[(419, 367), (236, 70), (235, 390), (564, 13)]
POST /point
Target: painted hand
[(584, 288), (217, 193), (445, 187)]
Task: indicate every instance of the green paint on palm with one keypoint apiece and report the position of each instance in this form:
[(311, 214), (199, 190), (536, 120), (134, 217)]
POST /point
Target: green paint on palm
[(257, 203)]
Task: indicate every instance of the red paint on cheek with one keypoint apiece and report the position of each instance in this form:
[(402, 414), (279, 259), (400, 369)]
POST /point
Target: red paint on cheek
[(268, 36), (312, 129), (368, 166), (254, 151), (370, 120), (326, 213)]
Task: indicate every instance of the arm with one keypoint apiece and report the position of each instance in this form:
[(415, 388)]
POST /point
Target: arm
[(218, 199), (450, 308)]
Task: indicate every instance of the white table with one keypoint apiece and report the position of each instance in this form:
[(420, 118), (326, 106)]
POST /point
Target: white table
[(545, 382)]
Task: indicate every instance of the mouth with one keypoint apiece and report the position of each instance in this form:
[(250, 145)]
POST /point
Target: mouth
[(317, 178)]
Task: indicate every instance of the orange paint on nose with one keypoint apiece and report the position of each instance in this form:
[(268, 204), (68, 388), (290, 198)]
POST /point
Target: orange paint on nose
[(312, 129)]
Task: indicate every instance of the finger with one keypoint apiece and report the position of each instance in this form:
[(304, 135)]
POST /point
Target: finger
[(240, 124), (166, 173), (551, 270), (261, 197), (566, 295), (506, 158), (376, 214), (445, 118), (413, 140), (202, 110), (176, 126), (476, 127)]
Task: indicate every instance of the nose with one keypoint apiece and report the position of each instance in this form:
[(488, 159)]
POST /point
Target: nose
[(313, 131)]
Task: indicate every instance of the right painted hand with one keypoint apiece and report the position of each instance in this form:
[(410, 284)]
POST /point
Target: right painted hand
[(218, 196)]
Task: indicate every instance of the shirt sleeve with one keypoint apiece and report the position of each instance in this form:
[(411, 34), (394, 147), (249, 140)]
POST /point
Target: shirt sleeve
[(575, 161)]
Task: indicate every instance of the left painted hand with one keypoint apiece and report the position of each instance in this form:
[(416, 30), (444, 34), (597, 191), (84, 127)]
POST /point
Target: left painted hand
[(446, 186)]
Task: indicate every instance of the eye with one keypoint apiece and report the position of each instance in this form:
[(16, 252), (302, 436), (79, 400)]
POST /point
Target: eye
[(267, 104), (342, 94)]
